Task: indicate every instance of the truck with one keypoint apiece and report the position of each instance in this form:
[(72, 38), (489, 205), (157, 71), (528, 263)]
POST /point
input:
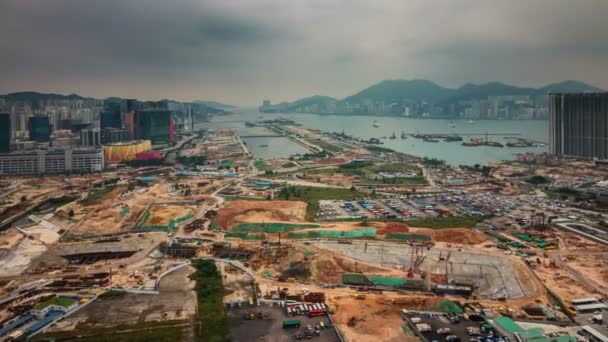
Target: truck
[(443, 331), (292, 323)]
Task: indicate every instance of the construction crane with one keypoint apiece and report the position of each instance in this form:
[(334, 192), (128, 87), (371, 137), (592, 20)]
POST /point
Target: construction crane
[(447, 259), (415, 251)]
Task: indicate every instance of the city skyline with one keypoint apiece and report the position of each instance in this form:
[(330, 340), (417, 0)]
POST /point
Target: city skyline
[(231, 52)]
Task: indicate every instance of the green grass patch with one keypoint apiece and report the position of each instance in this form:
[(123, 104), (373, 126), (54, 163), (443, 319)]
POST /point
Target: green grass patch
[(324, 145), (245, 236), (271, 227), (260, 164), (312, 196), (446, 222), (307, 251), (210, 292), (59, 301), (99, 194)]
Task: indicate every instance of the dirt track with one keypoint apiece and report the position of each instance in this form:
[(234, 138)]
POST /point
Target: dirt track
[(260, 211)]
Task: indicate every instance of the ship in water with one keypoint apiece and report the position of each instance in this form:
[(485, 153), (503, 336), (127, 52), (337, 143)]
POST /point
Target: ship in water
[(452, 124), (469, 122), (393, 136), (403, 136), (481, 142), (263, 145), (429, 139), (375, 123), (451, 138)]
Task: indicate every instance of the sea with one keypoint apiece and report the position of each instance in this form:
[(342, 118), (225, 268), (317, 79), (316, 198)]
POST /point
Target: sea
[(362, 126)]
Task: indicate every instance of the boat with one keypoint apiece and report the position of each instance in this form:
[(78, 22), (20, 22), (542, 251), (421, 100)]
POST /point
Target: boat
[(403, 136), (429, 139), (452, 124), (263, 145), (469, 122), (260, 116), (393, 136), (454, 137), (375, 124)]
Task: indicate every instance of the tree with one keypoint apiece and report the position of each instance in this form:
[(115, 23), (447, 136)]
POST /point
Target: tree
[(71, 213), (23, 198)]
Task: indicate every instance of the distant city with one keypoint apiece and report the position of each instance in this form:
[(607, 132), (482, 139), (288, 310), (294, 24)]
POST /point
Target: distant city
[(49, 133), (425, 99)]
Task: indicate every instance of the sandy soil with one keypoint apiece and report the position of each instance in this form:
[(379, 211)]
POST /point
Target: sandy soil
[(593, 267), (377, 317), (162, 214), (453, 235), (260, 211), (562, 284)]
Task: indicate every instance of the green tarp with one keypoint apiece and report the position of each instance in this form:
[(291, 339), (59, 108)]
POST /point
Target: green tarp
[(335, 234), (271, 227), (355, 279), (408, 237)]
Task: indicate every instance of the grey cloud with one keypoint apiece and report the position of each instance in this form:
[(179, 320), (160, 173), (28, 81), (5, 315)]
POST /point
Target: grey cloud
[(241, 51)]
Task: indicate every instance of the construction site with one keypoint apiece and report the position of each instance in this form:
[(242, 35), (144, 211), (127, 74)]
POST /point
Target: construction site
[(329, 246)]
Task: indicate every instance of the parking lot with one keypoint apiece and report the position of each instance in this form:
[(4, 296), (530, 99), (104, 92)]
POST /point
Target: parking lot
[(442, 328), (268, 325), (386, 208)]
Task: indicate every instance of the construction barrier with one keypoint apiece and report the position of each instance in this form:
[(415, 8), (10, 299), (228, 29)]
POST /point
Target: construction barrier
[(335, 234), (271, 227), (408, 237)]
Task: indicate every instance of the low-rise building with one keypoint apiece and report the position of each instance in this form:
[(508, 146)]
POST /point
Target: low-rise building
[(52, 160)]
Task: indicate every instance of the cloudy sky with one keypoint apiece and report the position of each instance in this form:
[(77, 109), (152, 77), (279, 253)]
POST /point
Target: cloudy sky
[(242, 51)]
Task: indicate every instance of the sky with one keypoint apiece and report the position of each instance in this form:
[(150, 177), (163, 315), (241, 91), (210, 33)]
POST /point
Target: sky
[(243, 51)]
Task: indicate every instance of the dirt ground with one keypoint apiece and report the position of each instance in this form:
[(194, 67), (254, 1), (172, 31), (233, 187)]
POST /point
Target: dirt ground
[(592, 266), (319, 266), (453, 235), (162, 214), (260, 211), (560, 282), (377, 317)]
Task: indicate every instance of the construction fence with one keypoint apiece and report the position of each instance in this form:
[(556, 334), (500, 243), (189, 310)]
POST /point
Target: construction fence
[(271, 227), (335, 234), (408, 237)]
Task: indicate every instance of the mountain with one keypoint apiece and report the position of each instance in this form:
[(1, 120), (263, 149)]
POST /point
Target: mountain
[(215, 104), (32, 96), (568, 87), (395, 93), (315, 100), (320, 103), (398, 90), (471, 91)]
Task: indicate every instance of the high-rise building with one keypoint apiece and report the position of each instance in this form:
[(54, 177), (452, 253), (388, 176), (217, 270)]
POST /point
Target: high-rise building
[(154, 125), (109, 119), (90, 137), (5, 132), (579, 125), (40, 128)]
